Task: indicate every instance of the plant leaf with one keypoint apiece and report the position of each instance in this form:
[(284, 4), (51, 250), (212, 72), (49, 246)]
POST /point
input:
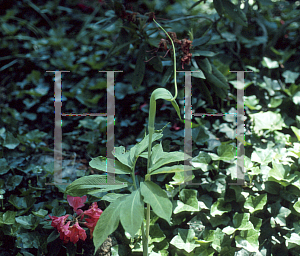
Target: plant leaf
[(107, 223), (99, 163), (157, 198), (88, 184), (139, 71), (235, 13), (132, 210)]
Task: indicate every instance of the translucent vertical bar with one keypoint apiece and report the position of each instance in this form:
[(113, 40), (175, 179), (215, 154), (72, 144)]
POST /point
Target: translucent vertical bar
[(188, 130), (110, 128), (240, 129), (57, 129)]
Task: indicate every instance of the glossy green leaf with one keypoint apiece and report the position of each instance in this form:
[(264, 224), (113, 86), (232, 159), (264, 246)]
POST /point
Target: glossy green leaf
[(219, 220), (163, 158), (189, 197), (179, 206), (201, 41), (202, 161), (198, 73), (180, 178), (132, 210), (248, 239), (171, 169), (156, 234), (99, 163), (7, 217), (241, 221), (214, 80), (281, 174), (27, 222), (219, 239), (255, 203), (219, 207), (296, 131), (297, 206), (204, 64), (40, 213), (140, 147), (110, 197), (228, 230), (200, 135), (107, 223), (262, 156), (10, 141), (21, 202), (188, 201), (4, 167), (289, 76), (123, 156), (252, 102), (53, 236), (267, 121), (88, 184), (267, 62), (185, 240), (225, 152), (292, 241), (158, 199)]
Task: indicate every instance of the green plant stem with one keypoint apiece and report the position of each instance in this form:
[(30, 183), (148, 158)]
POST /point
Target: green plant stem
[(151, 122), (134, 182), (145, 241), (133, 176)]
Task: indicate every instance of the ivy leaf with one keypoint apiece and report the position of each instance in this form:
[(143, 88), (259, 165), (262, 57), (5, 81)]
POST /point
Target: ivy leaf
[(188, 201), (290, 77), (248, 239), (185, 240), (10, 141), (225, 152), (292, 241), (219, 207), (268, 63), (4, 167), (241, 221), (255, 203), (297, 206)]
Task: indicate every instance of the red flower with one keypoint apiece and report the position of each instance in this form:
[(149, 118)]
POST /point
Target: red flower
[(76, 233), (94, 213), (91, 224), (76, 202), (58, 222), (65, 232), (175, 127)]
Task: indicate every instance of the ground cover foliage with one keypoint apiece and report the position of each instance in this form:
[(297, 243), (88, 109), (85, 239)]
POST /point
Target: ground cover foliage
[(214, 218)]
